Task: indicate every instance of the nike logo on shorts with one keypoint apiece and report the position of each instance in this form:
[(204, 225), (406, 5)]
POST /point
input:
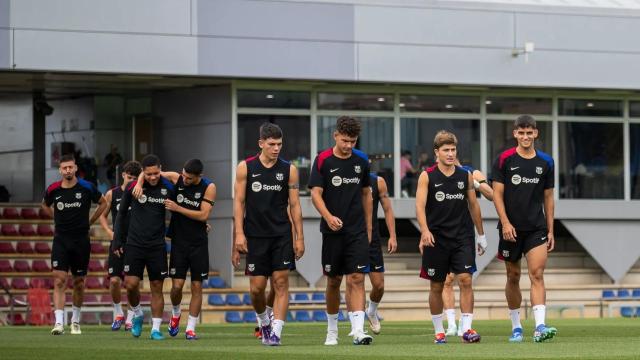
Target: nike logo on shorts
[(436, 185), (255, 175), (334, 170), (163, 273), (544, 238), (180, 188), (467, 266), (204, 274), (377, 267), (361, 267), (515, 168), (286, 262)]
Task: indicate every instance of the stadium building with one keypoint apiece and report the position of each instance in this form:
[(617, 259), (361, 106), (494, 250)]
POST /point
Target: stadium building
[(195, 78)]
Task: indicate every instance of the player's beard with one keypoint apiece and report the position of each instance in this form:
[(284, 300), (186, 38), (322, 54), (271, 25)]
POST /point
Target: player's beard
[(68, 177)]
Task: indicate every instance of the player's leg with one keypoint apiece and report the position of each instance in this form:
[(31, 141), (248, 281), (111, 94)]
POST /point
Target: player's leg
[(259, 269), (376, 276), (199, 265), (157, 269), (178, 266), (449, 301), (134, 263), (78, 264), (355, 265), (60, 266), (435, 267), (282, 262), (115, 264), (436, 307), (331, 252), (511, 253), (463, 264), (536, 262)]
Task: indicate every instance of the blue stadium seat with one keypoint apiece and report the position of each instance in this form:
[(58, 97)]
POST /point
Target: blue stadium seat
[(318, 297), (232, 317), (608, 294), (290, 317), (246, 299), (249, 317), (301, 298), (319, 315), (216, 282), (216, 300), (341, 316), (623, 293), (635, 293), (233, 299), (627, 311), (303, 316)]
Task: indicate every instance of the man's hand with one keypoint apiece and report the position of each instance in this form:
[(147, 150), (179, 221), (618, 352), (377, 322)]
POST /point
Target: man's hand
[(109, 233), (334, 223), (235, 259), (426, 239), (137, 191), (170, 205), (392, 245), (241, 244), (298, 248), (482, 244), (509, 232), (551, 242), (118, 251)]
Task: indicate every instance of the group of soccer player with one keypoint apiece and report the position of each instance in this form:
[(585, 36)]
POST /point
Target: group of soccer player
[(268, 228)]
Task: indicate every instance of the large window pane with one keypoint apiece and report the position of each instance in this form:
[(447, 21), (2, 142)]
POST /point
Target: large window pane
[(591, 161), (295, 144), (416, 142), (440, 103), (581, 107), (518, 105), (274, 99), (347, 101), (376, 140), (500, 138), (634, 132), (634, 109)]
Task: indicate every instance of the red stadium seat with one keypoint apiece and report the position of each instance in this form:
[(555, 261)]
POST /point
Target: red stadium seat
[(98, 248), (24, 247), (145, 299), (95, 265), (45, 230), (16, 319), (10, 213), (43, 214), (42, 248), (40, 266), (21, 266), (9, 230), (92, 283), (5, 266), (27, 230), (29, 213), (3, 301), (45, 283), (90, 299), (68, 299), (4, 283), (7, 248), (70, 282), (89, 318), (19, 283), (106, 317)]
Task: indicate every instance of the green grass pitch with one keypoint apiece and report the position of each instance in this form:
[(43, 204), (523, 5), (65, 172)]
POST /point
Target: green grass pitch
[(576, 339)]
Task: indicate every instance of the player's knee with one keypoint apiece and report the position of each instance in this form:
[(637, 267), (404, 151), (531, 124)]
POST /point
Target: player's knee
[(196, 286), (60, 283), (78, 282), (464, 282), (355, 280), (334, 281), (131, 286), (378, 286), (536, 276), (114, 282), (436, 287), (513, 276), (280, 285)]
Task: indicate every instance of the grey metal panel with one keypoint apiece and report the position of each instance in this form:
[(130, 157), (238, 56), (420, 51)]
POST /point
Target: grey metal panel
[(276, 58), (272, 19), (406, 25), (569, 32), (189, 107), (310, 266), (73, 51), (5, 13), (5, 49), (220, 248), (143, 16), (209, 142)]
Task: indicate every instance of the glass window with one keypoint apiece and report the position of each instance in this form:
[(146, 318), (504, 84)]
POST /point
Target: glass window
[(274, 99), (376, 139), (634, 108), (500, 138), (440, 103), (518, 105), (581, 107), (347, 101), (591, 161), (416, 144), (634, 132), (295, 143)]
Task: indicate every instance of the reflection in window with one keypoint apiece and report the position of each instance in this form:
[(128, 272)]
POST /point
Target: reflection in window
[(581, 107), (634, 132), (500, 138), (416, 142), (440, 103), (274, 99), (518, 105), (634, 109), (376, 140), (295, 143), (591, 161), (348, 101)]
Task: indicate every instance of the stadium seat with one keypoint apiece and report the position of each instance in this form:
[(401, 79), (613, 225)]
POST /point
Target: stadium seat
[(11, 213), (301, 298), (21, 266), (16, 319), (89, 318), (106, 317), (5, 266), (145, 298), (27, 230), (92, 282), (290, 317), (97, 248), (24, 247), (246, 299), (233, 299), (623, 294), (95, 265), (249, 317), (635, 293), (68, 299), (608, 294), (216, 282), (232, 317), (19, 284), (3, 301), (627, 311), (216, 300), (8, 230), (45, 230), (7, 248), (90, 299), (4, 283), (303, 316), (341, 316), (45, 283), (318, 297), (43, 215), (42, 248), (29, 213), (40, 266)]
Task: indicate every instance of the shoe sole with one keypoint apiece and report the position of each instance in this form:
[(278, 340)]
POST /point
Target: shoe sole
[(331, 344), (57, 332), (365, 341), (546, 336)]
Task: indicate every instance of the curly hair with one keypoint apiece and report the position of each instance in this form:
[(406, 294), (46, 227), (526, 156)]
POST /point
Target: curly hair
[(444, 137), (349, 126), (132, 168)]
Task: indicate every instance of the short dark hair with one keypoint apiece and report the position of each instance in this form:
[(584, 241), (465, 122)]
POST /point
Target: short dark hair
[(150, 160), (524, 121), (193, 167), (132, 168), (347, 125), (444, 137), (270, 131), (66, 157)]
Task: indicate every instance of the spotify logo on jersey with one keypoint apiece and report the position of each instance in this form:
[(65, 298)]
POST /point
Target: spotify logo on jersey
[(336, 181), (516, 179), (256, 186), (142, 199), (60, 206), (180, 198), (440, 196)]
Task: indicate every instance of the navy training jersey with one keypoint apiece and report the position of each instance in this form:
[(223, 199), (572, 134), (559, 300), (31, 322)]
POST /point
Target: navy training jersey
[(267, 198), (146, 215), (116, 198), (447, 205), (183, 229), (342, 181), (375, 193), (71, 206), (525, 181)]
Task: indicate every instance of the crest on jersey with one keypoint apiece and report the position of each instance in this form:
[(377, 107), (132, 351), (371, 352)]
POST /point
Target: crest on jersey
[(142, 199), (126, 268), (539, 170), (279, 176), (357, 169), (460, 185), (197, 195), (505, 253), (327, 268), (78, 195), (54, 263), (60, 206), (163, 191), (431, 272), (172, 271), (251, 267), (110, 270), (180, 198)]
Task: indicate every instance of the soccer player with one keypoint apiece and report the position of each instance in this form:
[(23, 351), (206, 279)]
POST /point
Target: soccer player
[(71, 198), (266, 186), (523, 181), (194, 199), (130, 172), (143, 243), (447, 209), (448, 296), (341, 192)]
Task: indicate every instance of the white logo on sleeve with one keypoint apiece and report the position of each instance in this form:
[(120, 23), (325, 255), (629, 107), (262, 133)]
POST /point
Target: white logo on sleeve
[(180, 198), (336, 180), (256, 186)]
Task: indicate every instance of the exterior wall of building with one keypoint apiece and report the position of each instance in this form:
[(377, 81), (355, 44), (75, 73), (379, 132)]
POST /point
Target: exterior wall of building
[(16, 146)]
